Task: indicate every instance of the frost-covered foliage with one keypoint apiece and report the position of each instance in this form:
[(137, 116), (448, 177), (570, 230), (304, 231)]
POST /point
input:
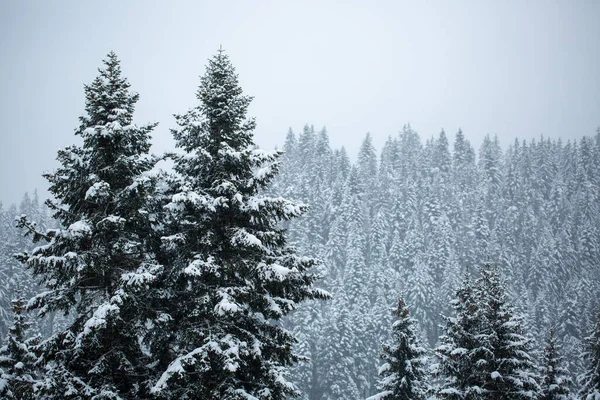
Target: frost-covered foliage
[(403, 375), (507, 370), (12, 275), (556, 381), (95, 265), (429, 209), (461, 352), (229, 274), (590, 380), (484, 351), (17, 357)]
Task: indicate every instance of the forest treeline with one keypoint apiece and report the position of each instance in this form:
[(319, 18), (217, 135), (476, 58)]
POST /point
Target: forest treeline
[(246, 274), (410, 221)]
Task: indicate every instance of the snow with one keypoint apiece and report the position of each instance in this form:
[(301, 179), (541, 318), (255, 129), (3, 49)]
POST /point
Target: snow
[(384, 368), (593, 396), (198, 267), (175, 367), (280, 271), (98, 189), (242, 237), (380, 396), (226, 305), (495, 375), (245, 394), (263, 172), (231, 354), (114, 219), (80, 228), (142, 276), (98, 319), (191, 197)]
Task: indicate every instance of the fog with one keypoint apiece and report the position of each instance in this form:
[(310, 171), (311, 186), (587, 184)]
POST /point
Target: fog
[(516, 69)]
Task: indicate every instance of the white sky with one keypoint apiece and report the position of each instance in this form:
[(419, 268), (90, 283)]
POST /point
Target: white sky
[(515, 68)]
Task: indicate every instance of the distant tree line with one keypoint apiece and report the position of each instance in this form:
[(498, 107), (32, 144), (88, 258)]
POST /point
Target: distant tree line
[(409, 221)]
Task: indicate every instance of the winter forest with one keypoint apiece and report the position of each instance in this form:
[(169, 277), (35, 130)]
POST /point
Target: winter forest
[(426, 270)]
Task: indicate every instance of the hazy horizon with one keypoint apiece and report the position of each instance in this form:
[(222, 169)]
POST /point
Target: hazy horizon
[(515, 69)]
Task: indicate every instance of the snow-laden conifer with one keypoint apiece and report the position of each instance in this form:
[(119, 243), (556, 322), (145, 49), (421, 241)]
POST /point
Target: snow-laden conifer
[(590, 380), (484, 351), (229, 274), (17, 357), (403, 374), (461, 352), (507, 370), (555, 382), (95, 266), (339, 378)]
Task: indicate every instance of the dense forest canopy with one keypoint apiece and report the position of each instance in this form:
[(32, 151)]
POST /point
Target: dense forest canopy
[(410, 220)]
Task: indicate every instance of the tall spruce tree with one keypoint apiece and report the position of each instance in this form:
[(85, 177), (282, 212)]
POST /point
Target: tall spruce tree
[(229, 275), (403, 375), (555, 381), (95, 265), (17, 357), (590, 380)]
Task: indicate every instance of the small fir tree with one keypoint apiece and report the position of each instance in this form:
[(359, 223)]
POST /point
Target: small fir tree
[(590, 380), (17, 357), (403, 374), (555, 381)]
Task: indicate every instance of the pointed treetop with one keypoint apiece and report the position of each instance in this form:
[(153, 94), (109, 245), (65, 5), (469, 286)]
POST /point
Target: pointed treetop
[(107, 98), (221, 115)]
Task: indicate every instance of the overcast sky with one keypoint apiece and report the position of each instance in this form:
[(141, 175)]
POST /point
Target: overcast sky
[(514, 68)]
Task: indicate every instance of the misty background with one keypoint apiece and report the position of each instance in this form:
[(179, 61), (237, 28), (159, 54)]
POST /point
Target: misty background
[(516, 69)]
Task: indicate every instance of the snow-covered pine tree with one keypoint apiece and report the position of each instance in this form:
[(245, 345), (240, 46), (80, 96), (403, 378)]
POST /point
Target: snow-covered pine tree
[(590, 380), (6, 259), (339, 363), (462, 349), (555, 381), (17, 357), (403, 375), (95, 265), (508, 371), (229, 274)]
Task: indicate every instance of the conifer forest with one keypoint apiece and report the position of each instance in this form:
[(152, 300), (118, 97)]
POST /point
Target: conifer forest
[(427, 269)]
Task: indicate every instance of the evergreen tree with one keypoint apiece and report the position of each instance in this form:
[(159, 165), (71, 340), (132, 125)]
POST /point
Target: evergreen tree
[(403, 375), (339, 359), (555, 379), (590, 380), (95, 266), (5, 271), (484, 352), (17, 357), (462, 349), (508, 371), (366, 166), (229, 275), (443, 160)]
